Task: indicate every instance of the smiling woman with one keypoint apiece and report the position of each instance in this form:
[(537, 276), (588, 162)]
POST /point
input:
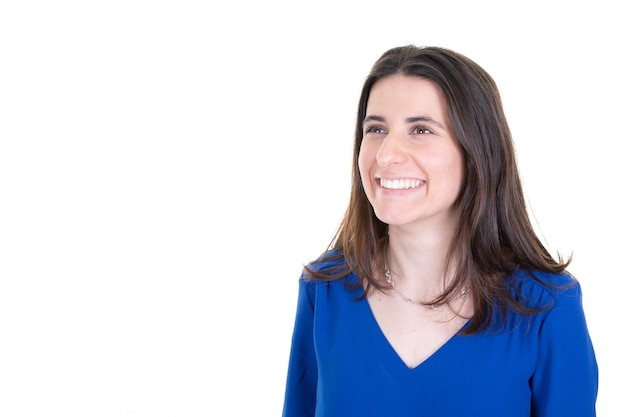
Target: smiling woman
[(410, 164), (436, 292)]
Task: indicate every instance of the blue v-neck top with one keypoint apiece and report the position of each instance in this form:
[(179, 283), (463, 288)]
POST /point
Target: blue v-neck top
[(342, 365)]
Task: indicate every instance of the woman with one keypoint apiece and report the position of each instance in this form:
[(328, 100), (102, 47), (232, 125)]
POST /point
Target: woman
[(436, 297)]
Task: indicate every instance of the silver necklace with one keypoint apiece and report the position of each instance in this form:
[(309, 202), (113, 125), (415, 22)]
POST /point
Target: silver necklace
[(410, 300)]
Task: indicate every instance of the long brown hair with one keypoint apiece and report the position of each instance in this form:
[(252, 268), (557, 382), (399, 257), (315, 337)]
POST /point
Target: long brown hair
[(494, 236)]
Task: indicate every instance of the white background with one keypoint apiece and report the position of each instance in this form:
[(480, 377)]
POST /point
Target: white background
[(167, 166)]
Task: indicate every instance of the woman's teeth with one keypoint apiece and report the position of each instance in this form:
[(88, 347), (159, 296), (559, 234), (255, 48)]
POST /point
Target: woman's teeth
[(400, 184)]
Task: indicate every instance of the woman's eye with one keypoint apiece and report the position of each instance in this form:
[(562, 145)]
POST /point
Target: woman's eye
[(420, 130), (374, 129)]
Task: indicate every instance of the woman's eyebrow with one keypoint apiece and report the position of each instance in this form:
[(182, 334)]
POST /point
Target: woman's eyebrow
[(425, 119), (373, 118)]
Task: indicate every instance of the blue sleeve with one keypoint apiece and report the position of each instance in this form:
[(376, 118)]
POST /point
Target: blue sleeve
[(565, 382), (300, 393)]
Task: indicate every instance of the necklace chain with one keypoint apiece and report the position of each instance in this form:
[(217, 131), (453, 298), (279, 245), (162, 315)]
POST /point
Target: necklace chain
[(434, 306)]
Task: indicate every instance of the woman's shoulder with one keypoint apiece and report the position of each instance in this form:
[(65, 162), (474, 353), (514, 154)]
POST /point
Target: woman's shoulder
[(329, 263), (542, 286), (543, 278)]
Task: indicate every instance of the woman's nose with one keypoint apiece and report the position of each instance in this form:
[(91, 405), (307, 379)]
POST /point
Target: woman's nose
[(392, 150)]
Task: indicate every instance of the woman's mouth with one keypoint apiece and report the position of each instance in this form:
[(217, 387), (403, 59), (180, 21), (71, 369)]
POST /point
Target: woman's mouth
[(400, 183)]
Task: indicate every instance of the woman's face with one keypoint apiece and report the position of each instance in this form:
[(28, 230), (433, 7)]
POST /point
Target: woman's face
[(409, 161)]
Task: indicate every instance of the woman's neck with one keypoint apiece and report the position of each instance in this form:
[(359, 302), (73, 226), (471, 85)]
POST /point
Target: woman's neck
[(418, 260)]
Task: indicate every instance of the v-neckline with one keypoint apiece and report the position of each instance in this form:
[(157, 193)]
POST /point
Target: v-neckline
[(388, 345)]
